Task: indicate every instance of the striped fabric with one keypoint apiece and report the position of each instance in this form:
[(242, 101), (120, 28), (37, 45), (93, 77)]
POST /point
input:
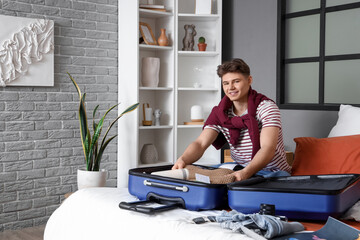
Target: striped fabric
[(267, 115)]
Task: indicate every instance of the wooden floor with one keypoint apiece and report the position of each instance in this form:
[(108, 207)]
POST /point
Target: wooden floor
[(33, 233)]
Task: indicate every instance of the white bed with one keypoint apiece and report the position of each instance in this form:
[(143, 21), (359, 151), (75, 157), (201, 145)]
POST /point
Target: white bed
[(93, 214)]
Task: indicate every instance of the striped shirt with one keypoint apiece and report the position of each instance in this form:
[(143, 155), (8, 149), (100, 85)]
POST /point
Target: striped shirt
[(267, 115)]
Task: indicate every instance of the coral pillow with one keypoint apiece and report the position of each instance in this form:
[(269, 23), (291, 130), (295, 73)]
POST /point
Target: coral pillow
[(336, 155)]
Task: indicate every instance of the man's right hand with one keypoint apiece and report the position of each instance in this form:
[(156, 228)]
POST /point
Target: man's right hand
[(179, 164)]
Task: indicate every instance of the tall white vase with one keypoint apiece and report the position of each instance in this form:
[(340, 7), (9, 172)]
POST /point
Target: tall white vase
[(87, 179), (150, 71)]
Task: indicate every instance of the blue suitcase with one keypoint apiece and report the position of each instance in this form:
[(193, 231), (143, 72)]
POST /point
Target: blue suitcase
[(171, 192), (297, 197)]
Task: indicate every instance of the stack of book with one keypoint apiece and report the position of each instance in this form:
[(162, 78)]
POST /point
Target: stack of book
[(154, 7)]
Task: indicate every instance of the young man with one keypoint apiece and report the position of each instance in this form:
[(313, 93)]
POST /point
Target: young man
[(248, 121)]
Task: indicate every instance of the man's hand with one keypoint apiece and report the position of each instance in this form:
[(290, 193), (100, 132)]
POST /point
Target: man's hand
[(179, 164), (240, 175)]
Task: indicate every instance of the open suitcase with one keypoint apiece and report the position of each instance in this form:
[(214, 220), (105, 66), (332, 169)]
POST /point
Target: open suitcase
[(297, 197), (171, 192)]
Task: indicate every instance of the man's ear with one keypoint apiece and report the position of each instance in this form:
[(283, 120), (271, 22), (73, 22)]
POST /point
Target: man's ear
[(250, 80)]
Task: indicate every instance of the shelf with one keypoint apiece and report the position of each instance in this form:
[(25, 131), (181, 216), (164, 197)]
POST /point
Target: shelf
[(155, 164), (190, 126), (145, 13), (198, 17), (155, 47), (179, 71), (197, 89), (156, 88), (155, 127), (198, 53)]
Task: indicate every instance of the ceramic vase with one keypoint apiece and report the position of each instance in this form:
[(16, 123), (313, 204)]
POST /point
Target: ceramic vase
[(148, 154), (163, 40), (196, 113), (150, 71), (88, 179)]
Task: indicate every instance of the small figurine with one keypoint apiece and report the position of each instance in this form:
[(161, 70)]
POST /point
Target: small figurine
[(157, 114), (188, 41)]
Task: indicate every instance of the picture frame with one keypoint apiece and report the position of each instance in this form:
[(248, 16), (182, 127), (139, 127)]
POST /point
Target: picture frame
[(40, 72), (203, 6), (147, 33)]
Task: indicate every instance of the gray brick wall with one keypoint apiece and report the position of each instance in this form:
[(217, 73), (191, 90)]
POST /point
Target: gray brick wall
[(40, 149)]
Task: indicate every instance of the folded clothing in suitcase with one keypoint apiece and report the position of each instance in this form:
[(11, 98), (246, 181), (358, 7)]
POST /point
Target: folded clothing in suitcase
[(191, 195), (297, 197)]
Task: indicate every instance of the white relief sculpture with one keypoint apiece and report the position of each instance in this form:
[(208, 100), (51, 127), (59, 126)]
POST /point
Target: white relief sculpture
[(25, 48)]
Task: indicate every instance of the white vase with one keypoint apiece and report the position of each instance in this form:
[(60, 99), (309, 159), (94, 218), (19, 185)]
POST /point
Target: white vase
[(87, 179), (196, 113), (149, 154), (150, 71)]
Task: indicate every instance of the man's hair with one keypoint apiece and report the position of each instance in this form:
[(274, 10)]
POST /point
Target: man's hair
[(236, 65)]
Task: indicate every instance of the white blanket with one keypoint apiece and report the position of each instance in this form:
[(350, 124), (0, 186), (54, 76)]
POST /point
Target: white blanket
[(93, 214)]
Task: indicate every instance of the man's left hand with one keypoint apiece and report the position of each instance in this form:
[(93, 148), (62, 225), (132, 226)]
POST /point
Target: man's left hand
[(240, 175)]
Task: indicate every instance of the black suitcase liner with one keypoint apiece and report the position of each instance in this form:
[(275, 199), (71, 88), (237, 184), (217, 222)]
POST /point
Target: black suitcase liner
[(311, 184)]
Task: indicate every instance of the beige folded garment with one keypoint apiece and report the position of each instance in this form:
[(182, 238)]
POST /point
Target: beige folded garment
[(217, 176)]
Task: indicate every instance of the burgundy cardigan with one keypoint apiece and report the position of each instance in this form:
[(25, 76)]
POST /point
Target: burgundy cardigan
[(219, 116)]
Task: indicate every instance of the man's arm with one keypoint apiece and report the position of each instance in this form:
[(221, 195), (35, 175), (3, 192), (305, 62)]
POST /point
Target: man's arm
[(268, 142), (197, 148)]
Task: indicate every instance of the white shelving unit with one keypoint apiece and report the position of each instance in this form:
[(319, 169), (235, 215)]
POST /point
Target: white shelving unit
[(179, 70)]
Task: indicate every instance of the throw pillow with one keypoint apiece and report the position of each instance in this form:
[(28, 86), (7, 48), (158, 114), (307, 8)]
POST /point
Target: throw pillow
[(348, 122), (336, 155)]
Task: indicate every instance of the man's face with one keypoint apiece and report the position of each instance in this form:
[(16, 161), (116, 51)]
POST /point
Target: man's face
[(236, 86)]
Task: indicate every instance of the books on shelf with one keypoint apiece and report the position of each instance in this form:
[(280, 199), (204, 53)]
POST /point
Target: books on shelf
[(154, 7)]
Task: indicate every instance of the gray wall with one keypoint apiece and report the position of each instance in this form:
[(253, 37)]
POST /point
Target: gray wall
[(249, 32), (40, 148)]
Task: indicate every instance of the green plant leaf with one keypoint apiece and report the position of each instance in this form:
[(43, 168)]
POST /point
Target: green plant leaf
[(129, 109), (82, 116), (101, 151), (86, 149), (94, 112), (75, 84), (97, 132)]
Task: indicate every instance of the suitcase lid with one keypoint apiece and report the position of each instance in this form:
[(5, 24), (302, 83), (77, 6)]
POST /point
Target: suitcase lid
[(314, 184)]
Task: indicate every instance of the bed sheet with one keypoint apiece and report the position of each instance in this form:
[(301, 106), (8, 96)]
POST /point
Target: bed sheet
[(93, 214)]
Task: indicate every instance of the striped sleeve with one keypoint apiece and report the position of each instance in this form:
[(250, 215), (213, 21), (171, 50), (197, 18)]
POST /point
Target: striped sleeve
[(214, 127), (268, 114)]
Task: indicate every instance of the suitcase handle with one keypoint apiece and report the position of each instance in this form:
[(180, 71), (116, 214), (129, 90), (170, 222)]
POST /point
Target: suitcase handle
[(166, 186), (169, 203), (136, 206)]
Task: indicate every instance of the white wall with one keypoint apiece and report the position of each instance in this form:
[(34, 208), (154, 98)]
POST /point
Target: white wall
[(249, 32)]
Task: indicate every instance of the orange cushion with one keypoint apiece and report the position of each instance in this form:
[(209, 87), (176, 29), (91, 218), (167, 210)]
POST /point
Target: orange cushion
[(335, 155)]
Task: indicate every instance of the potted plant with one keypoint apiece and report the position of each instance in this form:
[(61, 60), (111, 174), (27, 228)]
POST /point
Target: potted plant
[(93, 149), (201, 44)]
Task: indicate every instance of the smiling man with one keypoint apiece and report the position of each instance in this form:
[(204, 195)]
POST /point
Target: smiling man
[(249, 121)]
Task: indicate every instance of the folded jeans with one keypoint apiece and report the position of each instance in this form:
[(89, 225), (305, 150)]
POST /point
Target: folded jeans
[(269, 226)]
